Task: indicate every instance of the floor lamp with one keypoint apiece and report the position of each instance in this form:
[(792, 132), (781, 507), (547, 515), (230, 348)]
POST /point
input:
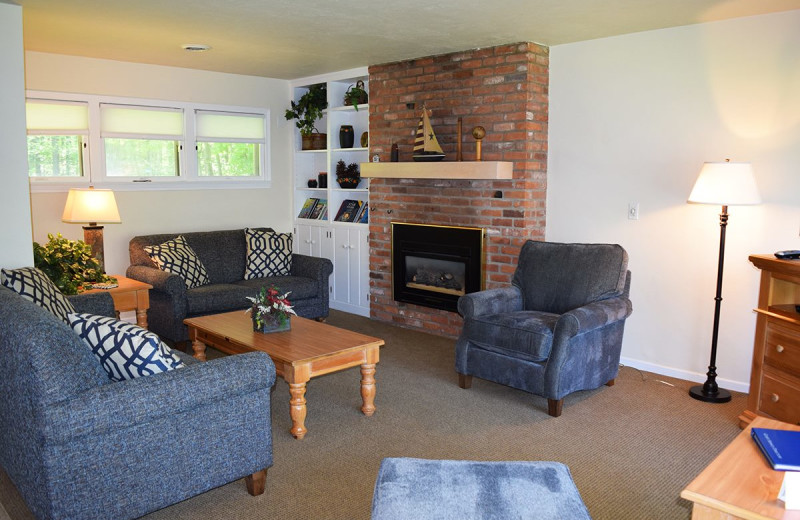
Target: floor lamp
[(726, 184), (93, 207)]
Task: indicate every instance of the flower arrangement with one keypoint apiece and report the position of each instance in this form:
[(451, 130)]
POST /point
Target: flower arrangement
[(270, 309)]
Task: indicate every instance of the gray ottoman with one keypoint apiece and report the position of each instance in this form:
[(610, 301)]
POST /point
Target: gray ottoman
[(443, 489)]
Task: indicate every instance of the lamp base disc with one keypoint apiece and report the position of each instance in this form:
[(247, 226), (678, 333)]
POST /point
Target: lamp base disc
[(720, 396)]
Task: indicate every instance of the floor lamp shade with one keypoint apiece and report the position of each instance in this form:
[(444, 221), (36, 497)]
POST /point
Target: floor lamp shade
[(92, 207), (726, 184)]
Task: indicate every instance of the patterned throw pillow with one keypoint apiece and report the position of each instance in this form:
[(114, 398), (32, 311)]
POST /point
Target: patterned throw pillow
[(35, 286), (177, 257), (268, 254), (126, 351)]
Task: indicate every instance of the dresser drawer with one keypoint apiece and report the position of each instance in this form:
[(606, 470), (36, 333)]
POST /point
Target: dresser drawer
[(782, 349), (780, 399)]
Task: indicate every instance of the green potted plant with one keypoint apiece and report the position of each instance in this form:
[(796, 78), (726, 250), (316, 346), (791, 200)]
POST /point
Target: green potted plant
[(69, 264), (356, 94), (307, 111)]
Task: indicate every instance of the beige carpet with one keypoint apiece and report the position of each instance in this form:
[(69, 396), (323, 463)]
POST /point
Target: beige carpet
[(631, 447)]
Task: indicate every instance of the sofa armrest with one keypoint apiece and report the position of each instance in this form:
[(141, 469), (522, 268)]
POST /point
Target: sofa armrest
[(311, 267), (99, 303), (593, 316), (128, 403), (163, 281), (490, 301)]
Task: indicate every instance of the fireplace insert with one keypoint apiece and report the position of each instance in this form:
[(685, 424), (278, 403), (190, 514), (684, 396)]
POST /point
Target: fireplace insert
[(433, 265)]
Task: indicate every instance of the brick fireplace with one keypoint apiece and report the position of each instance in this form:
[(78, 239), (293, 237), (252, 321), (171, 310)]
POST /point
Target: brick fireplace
[(504, 90)]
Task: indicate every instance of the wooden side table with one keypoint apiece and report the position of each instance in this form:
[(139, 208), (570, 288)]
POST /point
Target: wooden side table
[(739, 483), (130, 295)]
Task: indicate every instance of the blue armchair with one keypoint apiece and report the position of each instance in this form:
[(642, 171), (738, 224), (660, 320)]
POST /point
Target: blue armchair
[(77, 445), (557, 329)]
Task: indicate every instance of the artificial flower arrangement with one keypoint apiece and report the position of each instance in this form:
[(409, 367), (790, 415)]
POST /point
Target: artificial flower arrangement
[(270, 309)]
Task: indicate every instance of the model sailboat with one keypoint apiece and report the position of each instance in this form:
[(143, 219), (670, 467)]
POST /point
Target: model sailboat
[(426, 146)]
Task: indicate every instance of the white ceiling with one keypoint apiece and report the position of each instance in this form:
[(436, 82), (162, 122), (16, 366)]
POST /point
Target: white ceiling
[(298, 38)]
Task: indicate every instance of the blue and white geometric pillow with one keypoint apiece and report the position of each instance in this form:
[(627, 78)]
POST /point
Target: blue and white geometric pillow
[(35, 286), (125, 351), (177, 257), (268, 254)]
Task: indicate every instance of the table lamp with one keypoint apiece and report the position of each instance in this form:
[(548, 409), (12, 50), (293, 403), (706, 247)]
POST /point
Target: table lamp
[(92, 207), (727, 184)]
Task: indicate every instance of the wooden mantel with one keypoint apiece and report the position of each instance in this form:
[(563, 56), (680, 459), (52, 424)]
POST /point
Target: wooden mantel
[(439, 170)]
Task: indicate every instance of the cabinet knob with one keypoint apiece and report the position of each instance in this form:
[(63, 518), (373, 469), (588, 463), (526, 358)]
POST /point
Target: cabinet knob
[(775, 398), (779, 348)]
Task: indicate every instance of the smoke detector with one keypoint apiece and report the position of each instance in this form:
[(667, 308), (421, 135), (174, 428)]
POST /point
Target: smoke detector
[(195, 47)]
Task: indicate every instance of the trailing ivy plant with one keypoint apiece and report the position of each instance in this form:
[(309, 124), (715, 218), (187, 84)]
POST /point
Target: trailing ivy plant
[(308, 109), (69, 264)]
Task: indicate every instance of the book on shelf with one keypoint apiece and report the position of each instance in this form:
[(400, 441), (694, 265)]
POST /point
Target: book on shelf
[(308, 206), (781, 448), (363, 214), (348, 211), (319, 208)]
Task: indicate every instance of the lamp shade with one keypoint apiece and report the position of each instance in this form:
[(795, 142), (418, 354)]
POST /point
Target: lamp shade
[(88, 205), (726, 184)]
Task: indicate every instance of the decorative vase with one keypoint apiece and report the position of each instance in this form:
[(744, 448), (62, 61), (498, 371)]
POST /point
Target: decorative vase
[(312, 183), (346, 136), (270, 323), (323, 179), (364, 139)]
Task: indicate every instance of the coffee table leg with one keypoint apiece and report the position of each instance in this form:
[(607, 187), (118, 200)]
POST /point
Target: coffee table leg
[(368, 388), (199, 349), (297, 409)]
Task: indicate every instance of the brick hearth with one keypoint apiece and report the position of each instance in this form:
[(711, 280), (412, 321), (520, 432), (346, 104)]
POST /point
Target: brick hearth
[(503, 89)]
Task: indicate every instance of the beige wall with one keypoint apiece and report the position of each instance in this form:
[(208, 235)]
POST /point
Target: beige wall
[(633, 118), (145, 212), (15, 240)]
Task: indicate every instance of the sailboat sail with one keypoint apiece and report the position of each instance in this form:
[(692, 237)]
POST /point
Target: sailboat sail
[(426, 146)]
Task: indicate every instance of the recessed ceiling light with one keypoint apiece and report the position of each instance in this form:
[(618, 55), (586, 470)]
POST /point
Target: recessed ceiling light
[(195, 47)]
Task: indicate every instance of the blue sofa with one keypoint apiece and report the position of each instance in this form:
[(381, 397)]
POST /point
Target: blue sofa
[(79, 446), (224, 255)]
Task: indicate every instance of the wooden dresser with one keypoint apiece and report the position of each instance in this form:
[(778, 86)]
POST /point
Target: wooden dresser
[(775, 377)]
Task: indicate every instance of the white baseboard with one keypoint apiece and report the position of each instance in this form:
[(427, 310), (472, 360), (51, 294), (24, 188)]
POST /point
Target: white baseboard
[(695, 377), (347, 307)]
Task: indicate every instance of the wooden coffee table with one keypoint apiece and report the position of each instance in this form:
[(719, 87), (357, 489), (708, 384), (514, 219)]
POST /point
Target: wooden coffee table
[(739, 483), (308, 350)]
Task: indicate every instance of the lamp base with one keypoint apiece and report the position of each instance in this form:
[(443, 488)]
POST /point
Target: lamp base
[(720, 396)]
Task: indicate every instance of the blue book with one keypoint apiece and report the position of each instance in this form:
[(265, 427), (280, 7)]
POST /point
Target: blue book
[(781, 448)]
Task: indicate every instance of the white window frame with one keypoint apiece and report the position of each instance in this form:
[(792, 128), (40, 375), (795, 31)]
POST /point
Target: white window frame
[(104, 178), (81, 181), (262, 149), (188, 178)]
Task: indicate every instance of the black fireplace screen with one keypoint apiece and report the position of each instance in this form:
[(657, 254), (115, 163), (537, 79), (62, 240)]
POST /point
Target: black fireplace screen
[(433, 266)]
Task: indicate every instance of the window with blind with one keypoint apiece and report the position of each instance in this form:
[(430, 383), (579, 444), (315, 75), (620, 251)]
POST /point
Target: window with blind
[(229, 144), (77, 139), (57, 139), (141, 141)]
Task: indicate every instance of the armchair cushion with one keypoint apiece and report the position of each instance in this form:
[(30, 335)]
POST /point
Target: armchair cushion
[(268, 253), (177, 257), (557, 277), (33, 285), (523, 334), (125, 351)]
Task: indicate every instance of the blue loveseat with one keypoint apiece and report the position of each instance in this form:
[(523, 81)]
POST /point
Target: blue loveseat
[(79, 446), (224, 255)]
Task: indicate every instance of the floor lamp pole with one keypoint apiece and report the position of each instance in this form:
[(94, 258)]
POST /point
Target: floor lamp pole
[(709, 391)]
